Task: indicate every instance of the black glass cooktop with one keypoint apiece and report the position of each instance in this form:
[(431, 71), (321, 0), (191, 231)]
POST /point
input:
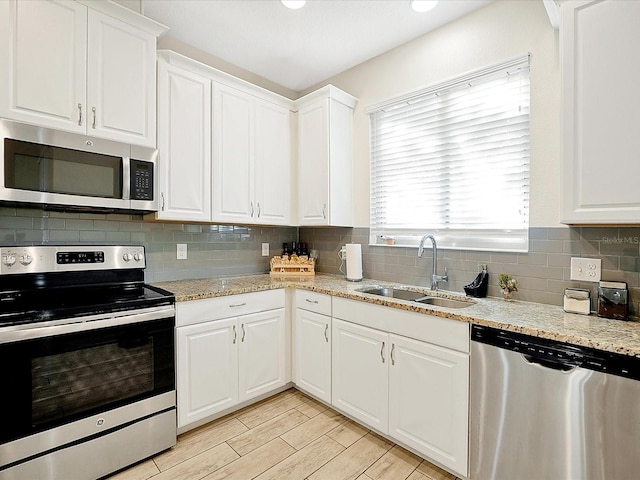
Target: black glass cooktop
[(54, 300)]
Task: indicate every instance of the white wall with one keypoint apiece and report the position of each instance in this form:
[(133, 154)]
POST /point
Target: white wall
[(502, 30)]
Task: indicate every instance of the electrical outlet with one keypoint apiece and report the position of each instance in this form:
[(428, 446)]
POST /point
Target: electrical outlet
[(181, 251), (586, 269), (265, 249)]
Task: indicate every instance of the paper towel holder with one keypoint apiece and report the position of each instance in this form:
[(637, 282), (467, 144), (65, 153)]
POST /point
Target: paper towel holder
[(351, 258)]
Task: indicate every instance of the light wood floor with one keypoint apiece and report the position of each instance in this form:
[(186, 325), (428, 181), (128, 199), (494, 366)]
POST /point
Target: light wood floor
[(286, 437)]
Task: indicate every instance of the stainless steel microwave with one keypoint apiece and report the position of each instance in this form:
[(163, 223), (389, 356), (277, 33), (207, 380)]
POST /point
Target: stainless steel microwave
[(69, 171)]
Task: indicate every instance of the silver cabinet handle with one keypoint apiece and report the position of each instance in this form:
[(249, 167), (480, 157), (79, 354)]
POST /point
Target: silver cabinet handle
[(93, 124), (243, 333), (382, 352), (79, 114), (235, 334), (324, 211), (258, 209), (326, 327), (162, 196), (235, 305), (312, 301), (393, 360), (251, 204)]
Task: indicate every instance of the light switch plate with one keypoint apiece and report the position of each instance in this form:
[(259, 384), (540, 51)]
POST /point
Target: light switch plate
[(265, 249), (586, 269), (181, 251)]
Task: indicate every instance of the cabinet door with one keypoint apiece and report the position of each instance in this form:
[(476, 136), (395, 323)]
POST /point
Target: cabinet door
[(360, 383), (232, 155), (601, 102), (272, 164), (207, 369), (312, 354), (43, 51), (121, 78), (428, 400), (184, 143), (262, 353), (313, 164)]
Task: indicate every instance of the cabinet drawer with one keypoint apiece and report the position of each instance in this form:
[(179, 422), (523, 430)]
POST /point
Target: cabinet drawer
[(197, 311), (314, 302)]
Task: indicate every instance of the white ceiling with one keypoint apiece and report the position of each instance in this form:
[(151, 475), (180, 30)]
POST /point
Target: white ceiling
[(300, 48)]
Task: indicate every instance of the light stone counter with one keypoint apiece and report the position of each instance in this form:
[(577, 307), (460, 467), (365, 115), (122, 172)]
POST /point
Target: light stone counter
[(546, 321)]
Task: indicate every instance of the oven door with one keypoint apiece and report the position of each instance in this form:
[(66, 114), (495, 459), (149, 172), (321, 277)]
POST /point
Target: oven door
[(55, 375)]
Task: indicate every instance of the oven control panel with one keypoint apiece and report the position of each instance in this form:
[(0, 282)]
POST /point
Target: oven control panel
[(44, 259)]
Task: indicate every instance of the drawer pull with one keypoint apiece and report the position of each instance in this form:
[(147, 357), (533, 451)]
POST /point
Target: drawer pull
[(79, 114), (235, 334), (312, 301), (243, 333), (326, 327), (393, 360), (382, 352), (235, 305)]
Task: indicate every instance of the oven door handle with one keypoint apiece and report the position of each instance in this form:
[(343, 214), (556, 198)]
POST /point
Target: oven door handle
[(30, 331)]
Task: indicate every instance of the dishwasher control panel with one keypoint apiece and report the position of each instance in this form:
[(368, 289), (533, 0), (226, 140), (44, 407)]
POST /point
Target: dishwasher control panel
[(558, 355)]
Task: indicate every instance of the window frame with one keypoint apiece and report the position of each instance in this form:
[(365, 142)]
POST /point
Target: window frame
[(466, 237)]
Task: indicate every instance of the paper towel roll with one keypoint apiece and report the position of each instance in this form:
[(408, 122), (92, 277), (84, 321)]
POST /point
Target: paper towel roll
[(354, 262)]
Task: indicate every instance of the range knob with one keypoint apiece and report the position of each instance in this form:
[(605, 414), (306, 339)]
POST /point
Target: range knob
[(138, 257), (26, 259), (9, 260), (127, 257)]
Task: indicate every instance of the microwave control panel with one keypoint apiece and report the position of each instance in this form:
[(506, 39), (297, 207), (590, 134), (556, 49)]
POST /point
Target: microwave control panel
[(141, 180)]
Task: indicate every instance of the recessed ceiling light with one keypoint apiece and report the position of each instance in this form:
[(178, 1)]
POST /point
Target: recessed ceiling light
[(293, 4), (422, 6)]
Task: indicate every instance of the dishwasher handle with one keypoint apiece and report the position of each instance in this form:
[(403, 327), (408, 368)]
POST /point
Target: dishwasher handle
[(543, 362)]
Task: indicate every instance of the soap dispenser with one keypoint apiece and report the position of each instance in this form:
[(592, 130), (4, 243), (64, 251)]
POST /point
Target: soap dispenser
[(478, 288)]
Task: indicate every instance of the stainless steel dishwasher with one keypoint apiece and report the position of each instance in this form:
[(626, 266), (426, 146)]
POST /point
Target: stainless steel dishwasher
[(545, 410)]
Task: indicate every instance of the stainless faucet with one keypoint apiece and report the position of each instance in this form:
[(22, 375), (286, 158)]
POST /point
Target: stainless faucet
[(435, 278)]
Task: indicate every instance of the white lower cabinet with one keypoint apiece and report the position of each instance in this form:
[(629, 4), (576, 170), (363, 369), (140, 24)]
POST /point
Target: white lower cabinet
[(428, 400), (222, 362), (207, 369), (261, 353), (312, 344), (415, 390), (404, 374), (360, 375)]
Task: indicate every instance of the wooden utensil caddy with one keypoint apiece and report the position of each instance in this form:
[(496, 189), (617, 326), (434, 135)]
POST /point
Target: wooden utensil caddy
[(293, 266)]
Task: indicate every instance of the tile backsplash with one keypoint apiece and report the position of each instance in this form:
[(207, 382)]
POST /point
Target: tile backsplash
[(212, 250), (227, 250), (542, 274)]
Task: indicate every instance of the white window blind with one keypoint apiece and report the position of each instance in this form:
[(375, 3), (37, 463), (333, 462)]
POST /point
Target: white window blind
[(453, 160)]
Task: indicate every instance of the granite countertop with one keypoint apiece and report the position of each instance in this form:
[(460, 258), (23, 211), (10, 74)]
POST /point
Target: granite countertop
[(546, 321)]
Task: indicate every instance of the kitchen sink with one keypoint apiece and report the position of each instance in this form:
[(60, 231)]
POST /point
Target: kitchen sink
[(394, 293), (444, 302), (418, 297)]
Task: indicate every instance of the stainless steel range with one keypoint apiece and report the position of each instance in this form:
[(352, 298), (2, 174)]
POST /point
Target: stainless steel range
[(86, 362)]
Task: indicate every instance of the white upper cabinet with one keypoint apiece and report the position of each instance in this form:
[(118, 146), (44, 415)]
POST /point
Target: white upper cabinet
[(601, 101), (251, 158), (88, 70), (325, 157), (233, 155), (273, 164), (121, 80), (43, 51), (184, 143)]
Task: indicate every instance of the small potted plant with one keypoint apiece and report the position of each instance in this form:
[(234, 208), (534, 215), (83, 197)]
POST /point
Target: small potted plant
[(508, 285)]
